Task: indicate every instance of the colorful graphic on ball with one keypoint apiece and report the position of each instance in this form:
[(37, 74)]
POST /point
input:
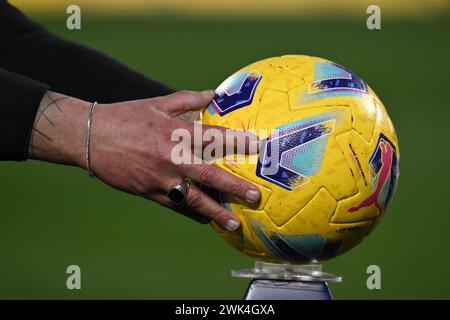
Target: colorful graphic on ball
[(384, 169), (295, 151), (296, 247), (235, 92), (332, 80)]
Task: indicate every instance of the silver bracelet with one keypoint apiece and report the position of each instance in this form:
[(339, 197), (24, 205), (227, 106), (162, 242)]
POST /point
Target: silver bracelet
[(87, 143)]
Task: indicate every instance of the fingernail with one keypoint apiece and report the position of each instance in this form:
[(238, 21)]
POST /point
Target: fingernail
[(232, 225), (208, 93), (252, 196)]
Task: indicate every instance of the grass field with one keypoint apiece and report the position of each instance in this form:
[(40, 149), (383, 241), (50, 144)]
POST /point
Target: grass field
[(54, 216)]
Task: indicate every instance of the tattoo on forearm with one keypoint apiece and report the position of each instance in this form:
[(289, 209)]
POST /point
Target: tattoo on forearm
[(43, 127)]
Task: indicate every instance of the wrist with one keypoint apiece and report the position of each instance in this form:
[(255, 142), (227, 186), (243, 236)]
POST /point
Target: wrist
[(58, 133), (72, 136)]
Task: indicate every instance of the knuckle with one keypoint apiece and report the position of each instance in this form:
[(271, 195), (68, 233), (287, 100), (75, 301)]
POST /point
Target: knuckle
[(235, 189), (142, 187), (187, 95), (220, 216), (207, 174), (194, 201), (192, 97), (161, 158)]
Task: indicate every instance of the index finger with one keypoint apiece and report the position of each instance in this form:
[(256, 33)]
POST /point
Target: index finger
[(228, 141)]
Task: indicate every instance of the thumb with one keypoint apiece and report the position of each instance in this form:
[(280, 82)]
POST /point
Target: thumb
[(183, 101)]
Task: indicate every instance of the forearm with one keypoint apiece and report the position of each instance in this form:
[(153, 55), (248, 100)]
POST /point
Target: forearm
[(59, 129)]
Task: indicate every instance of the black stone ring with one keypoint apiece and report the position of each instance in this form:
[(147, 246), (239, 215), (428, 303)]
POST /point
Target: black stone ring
[(178, 193)]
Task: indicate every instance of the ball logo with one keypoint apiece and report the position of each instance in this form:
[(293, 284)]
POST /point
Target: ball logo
[(295, 151), (296, 247), (235, 92), (384, 168), (332, 80)]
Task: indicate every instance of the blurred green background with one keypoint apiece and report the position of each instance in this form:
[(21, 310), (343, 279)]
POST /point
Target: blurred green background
[(128, 248)]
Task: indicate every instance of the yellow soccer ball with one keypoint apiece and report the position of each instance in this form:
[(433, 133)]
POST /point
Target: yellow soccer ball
[(328, 163)]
